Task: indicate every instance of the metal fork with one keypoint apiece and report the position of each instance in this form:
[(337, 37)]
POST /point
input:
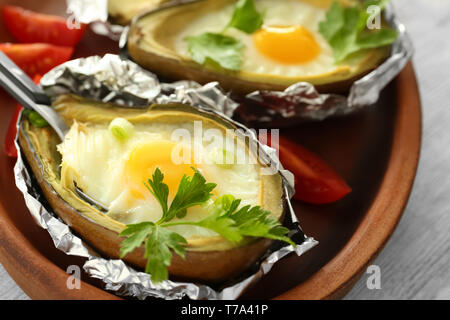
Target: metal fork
[(31, 96)]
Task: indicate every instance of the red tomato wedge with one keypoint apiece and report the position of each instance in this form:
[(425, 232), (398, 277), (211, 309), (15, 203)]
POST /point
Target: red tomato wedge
[(315, 181), (10, 148), (31, 27), (36, 58)]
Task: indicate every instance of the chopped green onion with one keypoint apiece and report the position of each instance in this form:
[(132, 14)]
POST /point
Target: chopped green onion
[(121, 128), (35, 118), (226, 201), (223, 158)]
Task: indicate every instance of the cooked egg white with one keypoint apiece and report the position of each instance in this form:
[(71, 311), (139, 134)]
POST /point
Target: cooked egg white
[(288, 44), (113, 171)]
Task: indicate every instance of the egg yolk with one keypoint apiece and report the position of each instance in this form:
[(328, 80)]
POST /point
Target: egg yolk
[(143, 161), (286, 44)]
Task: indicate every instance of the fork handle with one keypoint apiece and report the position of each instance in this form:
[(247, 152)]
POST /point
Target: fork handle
[(22, 81), (45, 111)]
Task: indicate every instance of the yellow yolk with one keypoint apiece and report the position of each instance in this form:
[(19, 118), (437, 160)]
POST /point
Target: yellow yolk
[(286, 44), (143, 161)]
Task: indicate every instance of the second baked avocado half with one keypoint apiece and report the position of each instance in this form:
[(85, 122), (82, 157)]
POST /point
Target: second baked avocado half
[(122, 12), (260, 44)]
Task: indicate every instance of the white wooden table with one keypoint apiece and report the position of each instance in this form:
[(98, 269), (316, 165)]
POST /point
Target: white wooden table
[(416, 262)]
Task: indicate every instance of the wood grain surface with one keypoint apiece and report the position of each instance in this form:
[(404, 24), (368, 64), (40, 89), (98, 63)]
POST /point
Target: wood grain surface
[(414, 264)]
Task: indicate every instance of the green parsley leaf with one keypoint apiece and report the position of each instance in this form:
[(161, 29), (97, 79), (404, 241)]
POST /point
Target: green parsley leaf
[(181, 214), (245, 17), (220, 221), (234, 224), (159, 189), (334, 21), (157, 250), (344, 41), (136, 234), (380, 3), (252, 221), (345, 29), (192, 191), (377, 39), (158, 242), (216, 49)]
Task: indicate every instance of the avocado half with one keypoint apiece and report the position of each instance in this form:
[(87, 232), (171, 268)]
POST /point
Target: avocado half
[(211, 259), (122, 12), (151, 41)]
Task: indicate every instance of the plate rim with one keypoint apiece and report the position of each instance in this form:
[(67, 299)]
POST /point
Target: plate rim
[(332, 281), (367, 243)]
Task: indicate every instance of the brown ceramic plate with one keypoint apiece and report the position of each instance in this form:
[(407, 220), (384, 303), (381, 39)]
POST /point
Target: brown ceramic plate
[(376, 151)]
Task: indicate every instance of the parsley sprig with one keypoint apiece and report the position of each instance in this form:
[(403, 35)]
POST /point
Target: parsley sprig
[(345, 29), (233, 223), (226, 218), (245, 17), (192, 191), (218, 49), (158, 242)]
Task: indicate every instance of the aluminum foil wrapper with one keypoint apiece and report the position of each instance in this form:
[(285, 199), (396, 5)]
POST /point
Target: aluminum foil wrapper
[(301, 101), (111, 79), (94, 12), (108, 79)]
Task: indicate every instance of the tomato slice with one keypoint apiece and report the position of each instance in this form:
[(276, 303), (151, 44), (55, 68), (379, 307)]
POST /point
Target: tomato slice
[(315, 181), (9, 146), (36, 58), (31, 27)]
